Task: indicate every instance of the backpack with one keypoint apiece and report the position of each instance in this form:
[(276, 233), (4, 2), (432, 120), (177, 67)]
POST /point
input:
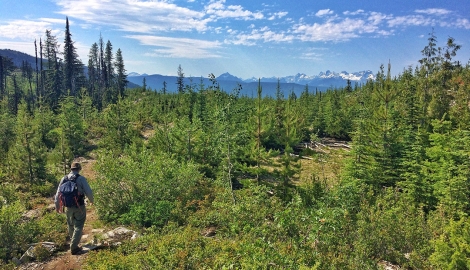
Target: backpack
[(68, 192)]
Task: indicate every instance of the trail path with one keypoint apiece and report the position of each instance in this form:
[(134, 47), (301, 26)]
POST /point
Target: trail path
[(63, 260)]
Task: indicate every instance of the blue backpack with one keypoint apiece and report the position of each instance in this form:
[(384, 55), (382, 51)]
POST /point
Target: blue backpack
[(68, 192)]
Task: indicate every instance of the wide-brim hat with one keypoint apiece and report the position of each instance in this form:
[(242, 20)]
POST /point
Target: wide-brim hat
[(76, 166)]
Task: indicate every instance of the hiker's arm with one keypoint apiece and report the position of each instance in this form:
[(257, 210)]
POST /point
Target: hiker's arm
[(56, 198), (87, 191)]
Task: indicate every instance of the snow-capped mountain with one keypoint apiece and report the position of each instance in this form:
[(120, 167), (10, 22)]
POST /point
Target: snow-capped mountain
[(135, 74), (327, 78), (295, 83)]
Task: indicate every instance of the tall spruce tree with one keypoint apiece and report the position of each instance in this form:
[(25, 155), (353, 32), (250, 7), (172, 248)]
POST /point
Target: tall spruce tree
[(70, 61), (121, 76), (180, 80), (53, 76), (94, 74), (109, 64)]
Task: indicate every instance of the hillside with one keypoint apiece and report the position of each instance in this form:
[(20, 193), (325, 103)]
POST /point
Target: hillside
[(18, 57)]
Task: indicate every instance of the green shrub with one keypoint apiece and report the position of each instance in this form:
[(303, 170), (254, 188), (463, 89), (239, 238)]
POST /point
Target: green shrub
[(452, 248), (143, 188)]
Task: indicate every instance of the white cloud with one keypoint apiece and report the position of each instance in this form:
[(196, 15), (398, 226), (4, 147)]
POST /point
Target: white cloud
[(179, 47), (357, 12), (377, 17), (463, 23), (264, 34), (221, 11), (277, 15), (324, 12), (434, 11), (135, 15), (411, 20), (311, 56), (334, 31), (28, 30)]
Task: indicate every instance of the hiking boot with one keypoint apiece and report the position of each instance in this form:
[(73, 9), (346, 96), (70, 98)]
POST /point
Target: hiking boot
[(77, 251)]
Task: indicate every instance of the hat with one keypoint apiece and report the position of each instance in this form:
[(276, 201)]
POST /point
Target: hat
[(76, 166)]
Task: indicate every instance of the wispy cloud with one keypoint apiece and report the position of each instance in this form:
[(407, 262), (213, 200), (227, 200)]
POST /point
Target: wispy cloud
[(25, 29), (143, 19), (135, 15), (462, 23), (411, 20), (314, 56), (333, 30), (264, 34), (277, 15), (179, 47), (434, 11), (357, 12), (220, 10)]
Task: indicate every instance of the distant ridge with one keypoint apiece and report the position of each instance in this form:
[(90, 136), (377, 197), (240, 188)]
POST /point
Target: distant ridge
[(227, 82), (18, 57)]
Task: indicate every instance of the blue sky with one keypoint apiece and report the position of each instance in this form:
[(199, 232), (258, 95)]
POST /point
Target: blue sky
[(246, 38)]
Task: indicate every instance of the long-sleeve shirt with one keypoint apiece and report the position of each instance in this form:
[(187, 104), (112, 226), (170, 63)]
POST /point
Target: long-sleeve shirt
[(82, 185)]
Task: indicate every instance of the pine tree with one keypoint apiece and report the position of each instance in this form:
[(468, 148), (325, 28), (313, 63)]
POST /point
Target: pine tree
[(180, 80), (70, 61), (2, 88), (37, 72), (108, 59), (121, 77), (53, 75), (6, 69), (15, 97), (94, 75), (27, 160)]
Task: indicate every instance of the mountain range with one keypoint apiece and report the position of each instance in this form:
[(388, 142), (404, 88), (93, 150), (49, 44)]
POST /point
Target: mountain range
[(226, 81)]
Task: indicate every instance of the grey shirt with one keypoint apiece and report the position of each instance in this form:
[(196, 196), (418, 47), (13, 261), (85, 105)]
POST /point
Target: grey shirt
[(82, 185)]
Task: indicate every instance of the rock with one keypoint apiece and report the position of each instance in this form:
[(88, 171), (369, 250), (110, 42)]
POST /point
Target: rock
[(32, 214), (38, 251), (116, 236), (209, 232), (50, 207)]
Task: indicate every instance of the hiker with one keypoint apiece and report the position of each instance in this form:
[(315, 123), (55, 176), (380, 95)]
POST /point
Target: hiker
[(76, 212)]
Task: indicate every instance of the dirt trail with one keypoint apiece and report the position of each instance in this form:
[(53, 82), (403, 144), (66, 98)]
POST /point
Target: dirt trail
[(63, 260)]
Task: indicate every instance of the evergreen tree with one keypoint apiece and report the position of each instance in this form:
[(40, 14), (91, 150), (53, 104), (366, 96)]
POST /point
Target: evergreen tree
[(27, 159), (6, 69), (53, 76), (71, 63), (15, 97), (94, 75), (121, 76), (180, 80), (37, 71), (108, 62)]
